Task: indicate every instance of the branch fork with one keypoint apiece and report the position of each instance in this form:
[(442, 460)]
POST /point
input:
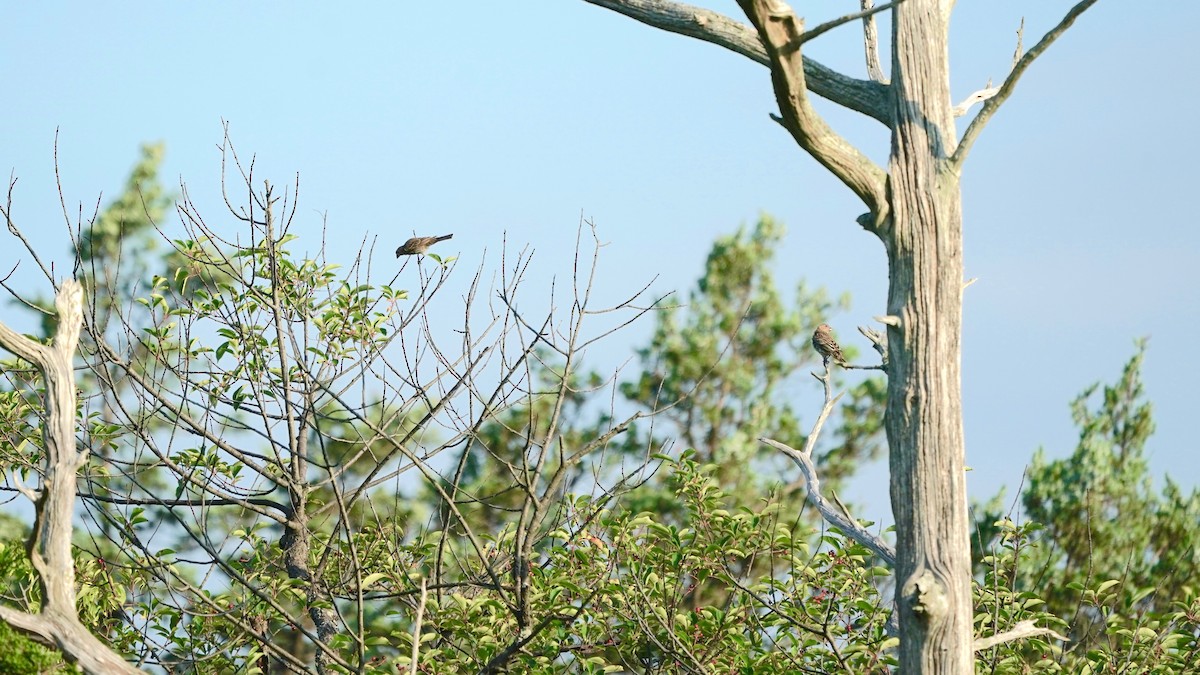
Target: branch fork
[(833, 512)]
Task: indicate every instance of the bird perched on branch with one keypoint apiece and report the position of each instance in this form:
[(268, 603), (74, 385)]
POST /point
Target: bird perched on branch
[(419, 245), (826, 346)]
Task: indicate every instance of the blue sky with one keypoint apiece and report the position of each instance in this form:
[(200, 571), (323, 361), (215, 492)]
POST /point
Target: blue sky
[(519, 117)]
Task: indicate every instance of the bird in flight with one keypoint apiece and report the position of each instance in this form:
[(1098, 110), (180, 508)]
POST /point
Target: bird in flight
[(419, 245), (826, 346)]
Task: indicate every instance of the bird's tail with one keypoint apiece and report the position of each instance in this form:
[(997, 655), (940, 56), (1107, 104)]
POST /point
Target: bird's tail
[(444, 237)]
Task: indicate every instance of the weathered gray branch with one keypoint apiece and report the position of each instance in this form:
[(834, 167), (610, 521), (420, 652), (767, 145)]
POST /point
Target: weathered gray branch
[(50, 542), (865, 96), (830, 511), (833, 513), (866, 13), (871, 44), (1006, 89), (1020, 631), (878, 340), (782, 32), (975, 97), (989, 91)]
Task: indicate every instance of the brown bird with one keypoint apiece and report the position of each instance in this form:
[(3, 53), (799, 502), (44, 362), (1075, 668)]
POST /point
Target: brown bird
[(826, 346), (419, 245)]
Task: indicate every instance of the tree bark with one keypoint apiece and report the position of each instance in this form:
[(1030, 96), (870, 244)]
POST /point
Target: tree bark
[(924, 410), (50, 542)]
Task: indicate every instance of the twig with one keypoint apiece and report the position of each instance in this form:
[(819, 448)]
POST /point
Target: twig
[(841, 505), (878, 340), (1020, 44), (7, 212), (417, 627)]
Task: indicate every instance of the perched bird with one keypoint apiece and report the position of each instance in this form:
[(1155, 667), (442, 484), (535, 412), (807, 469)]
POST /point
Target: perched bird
[(419, 245), (826, 346)]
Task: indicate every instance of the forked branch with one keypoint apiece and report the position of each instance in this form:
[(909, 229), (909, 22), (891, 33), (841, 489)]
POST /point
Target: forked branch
[(782, 32), (989, 91), (865, 96), (1006, 89), (833, 513), (50, 542)]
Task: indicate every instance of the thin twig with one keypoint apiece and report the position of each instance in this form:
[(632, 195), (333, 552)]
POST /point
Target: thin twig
[(878, 340), (417, 627), (866, 13)]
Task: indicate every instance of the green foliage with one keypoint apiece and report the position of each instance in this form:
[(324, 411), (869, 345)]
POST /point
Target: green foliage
[(21, 655), (99, 599), (129, 219), (1104, 559), (621, 595), (20, 429), (235, 497), (730, 361), (1129, 637)]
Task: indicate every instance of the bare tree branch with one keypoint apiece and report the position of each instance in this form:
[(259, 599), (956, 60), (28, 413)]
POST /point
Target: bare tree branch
[(878, 340), (1006, 89), (782, 32), (1024, 629), (866, 13), (865, 96), (871, 44), (50, 542), (984, 94), (834, 514), (989, 91)]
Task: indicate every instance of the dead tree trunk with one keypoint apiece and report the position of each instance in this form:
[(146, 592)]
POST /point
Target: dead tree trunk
[(924, 409), (50, 542), (915, 209)]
